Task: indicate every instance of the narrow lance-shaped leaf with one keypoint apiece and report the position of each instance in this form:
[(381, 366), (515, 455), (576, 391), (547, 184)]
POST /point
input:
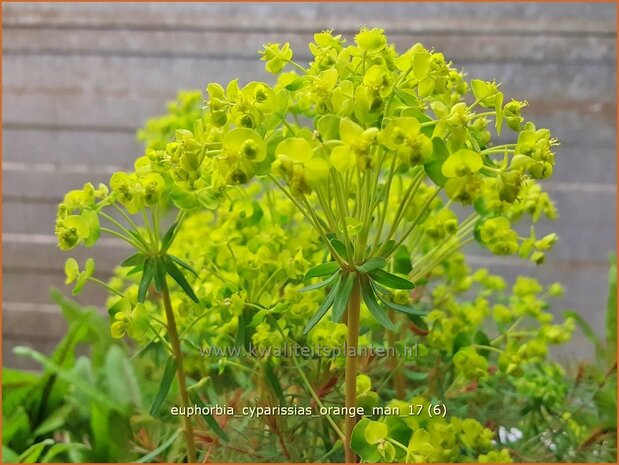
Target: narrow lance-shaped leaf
[(324, 307), (135, 269), (178, 276), (273, 381), (397, 307), (147, 276), (184, 264), (375, 309), (156, 452), (342, 296), (32, 454), (209, 419), (134, 260), (167, 237), (324, 269), (160, 272), (372, 264), (339, 247), (320, 284), (390, 280), (164, 385)]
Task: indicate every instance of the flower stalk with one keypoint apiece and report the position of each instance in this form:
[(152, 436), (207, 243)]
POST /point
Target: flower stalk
[(352, 343), (180, 371)]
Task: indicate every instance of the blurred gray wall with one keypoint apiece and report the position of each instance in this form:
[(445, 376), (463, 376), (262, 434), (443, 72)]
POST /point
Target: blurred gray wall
[(79, 79)]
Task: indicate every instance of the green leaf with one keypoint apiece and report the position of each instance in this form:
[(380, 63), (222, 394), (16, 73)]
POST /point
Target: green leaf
[(70, 377), (342, 296), (421, 65), (296, 149), (178, 276), (461, 340), (121, 380), (164, 385), (297, 83), (416, 375), (167, 237), (375, 431), (324, 307), (16, 426), (402, 261), (89, 266), (372, 264), (82, 279), (367, 452), (72, 448), (461, 163), (147, 276), (320, 284), (135, 270), (328, 127), (375, 309), (273, 382), (134, 260), (388, 246), (482, 339), (339, 247), (32, 454), (434, 165), (363, 383), (9, 455), (353, 225), (397, 307), (498, 106), (160, 272), (54, 421), (183, 200), (210, 420), (390, 280), (324, 269), (184, 264), (71, 270), (148, 458)]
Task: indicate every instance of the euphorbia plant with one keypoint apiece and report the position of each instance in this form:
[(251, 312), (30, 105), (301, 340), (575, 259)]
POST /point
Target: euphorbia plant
[(374, 148), (383, 119), (131, 194)]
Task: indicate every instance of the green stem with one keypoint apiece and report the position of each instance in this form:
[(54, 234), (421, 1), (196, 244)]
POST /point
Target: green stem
[(290, 128), (179, 221), (352, 342), (408, 195), (342, 208), (415, 221), (149, 229), (154, 213), (180, 371), (298, 66), (383, 214), (129, 240), (318, 228), (421, 271), (485, 347), (326, 206), (106, 286), (127, 217), (123, 228), (428, 123)]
